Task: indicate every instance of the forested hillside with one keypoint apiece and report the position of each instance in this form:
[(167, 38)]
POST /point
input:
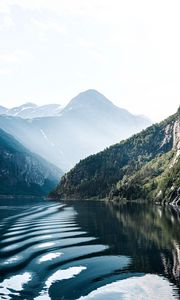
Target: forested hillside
[(143, 166), (23, 172)]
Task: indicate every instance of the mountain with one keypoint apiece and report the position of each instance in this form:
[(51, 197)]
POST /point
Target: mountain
[(22, 172), (87, 125), (21, 110), (3, 110), (145, 166), (31, 110), (93, 106)]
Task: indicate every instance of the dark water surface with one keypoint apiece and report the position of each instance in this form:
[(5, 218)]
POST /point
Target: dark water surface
[(88, 250)]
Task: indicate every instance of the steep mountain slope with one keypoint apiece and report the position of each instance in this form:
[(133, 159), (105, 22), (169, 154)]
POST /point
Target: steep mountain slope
[(22, 172), (88, 124), (128, 169), (31, 110), (159, 179)]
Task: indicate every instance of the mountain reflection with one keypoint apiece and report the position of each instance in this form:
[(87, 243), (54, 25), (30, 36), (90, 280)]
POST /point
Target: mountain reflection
[(81, 249), (147, 233)]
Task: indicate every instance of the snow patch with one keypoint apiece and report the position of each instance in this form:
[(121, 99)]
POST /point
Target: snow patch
[(44, 135), (59, 108), (22, 109)]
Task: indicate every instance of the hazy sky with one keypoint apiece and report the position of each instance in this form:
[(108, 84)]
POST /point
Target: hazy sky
[(129, 50)]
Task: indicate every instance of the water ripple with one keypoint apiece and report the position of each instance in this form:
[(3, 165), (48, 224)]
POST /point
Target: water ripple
[(45, 254)]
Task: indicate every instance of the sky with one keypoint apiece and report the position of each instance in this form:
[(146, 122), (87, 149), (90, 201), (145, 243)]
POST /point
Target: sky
[(51, 50)]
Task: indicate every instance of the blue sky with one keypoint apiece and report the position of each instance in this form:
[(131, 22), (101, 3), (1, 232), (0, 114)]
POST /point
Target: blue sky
[(129, 50)]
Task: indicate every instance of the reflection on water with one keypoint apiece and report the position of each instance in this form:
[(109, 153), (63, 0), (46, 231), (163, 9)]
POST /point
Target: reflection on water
[(145, 287), (88, 250)]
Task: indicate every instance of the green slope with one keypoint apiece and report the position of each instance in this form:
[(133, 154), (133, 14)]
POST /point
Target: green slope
[(125, 170), (158, 179)]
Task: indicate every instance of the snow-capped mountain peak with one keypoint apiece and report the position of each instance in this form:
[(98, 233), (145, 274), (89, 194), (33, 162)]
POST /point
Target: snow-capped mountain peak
[(30, 110)]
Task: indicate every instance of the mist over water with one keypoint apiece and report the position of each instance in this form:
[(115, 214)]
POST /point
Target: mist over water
[(88, 250)]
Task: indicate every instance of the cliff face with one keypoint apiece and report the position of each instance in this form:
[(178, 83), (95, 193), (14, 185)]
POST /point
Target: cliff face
[(135, 168), (172, 182), (176, 137), (158, 179), (22, 172)]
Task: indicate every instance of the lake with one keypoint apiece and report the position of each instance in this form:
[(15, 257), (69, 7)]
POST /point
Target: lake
[(88, 250)]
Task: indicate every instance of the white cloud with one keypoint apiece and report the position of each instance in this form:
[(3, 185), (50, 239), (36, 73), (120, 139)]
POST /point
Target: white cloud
[(92, 49), (85, 43), (6, 23), (48, 25), (130, 49), (4, 7), (5, 71), (9, 58), (46, 4), (97, 56), (145, 287), (15, 283), (15, 57)]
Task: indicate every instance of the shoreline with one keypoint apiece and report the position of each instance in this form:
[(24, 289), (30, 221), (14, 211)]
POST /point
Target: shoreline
[(20, 196)]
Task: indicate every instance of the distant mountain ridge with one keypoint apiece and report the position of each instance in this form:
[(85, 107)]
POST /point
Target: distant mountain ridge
[(87, 125), (23, 172), (145, 166), (30, 110)]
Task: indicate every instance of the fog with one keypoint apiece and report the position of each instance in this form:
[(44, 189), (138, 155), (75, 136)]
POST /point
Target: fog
[(88, 124)]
